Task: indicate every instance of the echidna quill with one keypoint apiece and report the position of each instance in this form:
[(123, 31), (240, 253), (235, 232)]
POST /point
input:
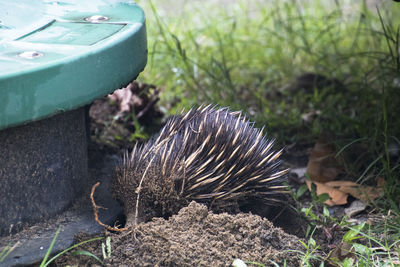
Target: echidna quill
[(210, 155)]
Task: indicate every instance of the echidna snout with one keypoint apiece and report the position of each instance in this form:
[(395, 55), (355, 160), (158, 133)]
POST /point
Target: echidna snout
[(211, 155)]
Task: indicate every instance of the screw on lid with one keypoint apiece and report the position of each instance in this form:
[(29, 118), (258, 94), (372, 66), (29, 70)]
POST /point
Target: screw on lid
[(30, 54), (96, 18)]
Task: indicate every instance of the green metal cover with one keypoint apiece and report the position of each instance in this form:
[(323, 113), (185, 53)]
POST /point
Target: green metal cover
[(60, 55)]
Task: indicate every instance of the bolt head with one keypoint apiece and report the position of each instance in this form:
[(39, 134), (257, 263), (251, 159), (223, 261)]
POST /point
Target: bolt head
[(96, 18), (30, 54)]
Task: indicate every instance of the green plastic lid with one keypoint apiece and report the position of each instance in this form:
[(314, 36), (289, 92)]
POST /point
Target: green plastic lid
[(60, 55)]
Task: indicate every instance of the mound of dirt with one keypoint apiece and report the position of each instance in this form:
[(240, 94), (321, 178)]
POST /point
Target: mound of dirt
[(198, 237)]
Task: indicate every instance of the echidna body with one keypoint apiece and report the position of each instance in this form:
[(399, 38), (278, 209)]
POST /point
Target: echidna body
[(210, 155)]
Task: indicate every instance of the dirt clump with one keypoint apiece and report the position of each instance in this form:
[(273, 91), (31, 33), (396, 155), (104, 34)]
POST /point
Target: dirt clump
[(198, 237)]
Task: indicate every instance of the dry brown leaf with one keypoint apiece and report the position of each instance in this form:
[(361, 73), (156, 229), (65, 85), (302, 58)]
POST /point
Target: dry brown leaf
[(337, 197), (339, 190), (367, 194), (381, 182), (322, 165), (341, 183), (122, 97), (362, 192), (340, 253)]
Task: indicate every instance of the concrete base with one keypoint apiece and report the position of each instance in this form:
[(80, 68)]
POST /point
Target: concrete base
[(32, 243), (43, 168)]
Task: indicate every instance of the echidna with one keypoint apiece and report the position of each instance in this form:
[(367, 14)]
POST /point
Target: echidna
[(211, 155)]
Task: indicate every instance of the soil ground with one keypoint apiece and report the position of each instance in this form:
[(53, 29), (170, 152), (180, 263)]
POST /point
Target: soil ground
[(196, 237)]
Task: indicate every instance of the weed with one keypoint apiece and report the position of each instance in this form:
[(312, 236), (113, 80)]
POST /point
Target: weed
[(369, 249), (311, 253), (45, 262), (106, 248), (6, 251)]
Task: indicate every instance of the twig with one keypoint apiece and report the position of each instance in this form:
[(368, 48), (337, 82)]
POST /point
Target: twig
[(139, 188), (96, 215)]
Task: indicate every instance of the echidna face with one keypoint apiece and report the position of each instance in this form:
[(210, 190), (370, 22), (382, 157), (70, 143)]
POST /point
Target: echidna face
[(144, 192)]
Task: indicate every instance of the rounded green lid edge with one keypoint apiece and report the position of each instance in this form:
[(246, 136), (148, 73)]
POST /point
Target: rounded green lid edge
[(74, 81)]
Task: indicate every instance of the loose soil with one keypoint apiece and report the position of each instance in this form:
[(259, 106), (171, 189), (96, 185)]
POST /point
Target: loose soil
[(197, 237)]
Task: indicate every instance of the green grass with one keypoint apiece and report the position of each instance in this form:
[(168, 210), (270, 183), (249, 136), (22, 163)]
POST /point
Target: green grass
[(46, 261), (372, 248), (5, 251)]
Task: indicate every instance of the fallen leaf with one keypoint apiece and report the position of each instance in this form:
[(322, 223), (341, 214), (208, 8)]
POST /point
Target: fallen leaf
[(322, 165), (341, 183), (340, 253), (381, 182), (365, 193), (337, 197), (122, 97), (338, 191)]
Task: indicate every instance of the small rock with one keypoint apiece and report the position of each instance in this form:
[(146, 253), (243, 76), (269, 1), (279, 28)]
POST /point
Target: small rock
[(355, 208), (239, 263), (299, 171)]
